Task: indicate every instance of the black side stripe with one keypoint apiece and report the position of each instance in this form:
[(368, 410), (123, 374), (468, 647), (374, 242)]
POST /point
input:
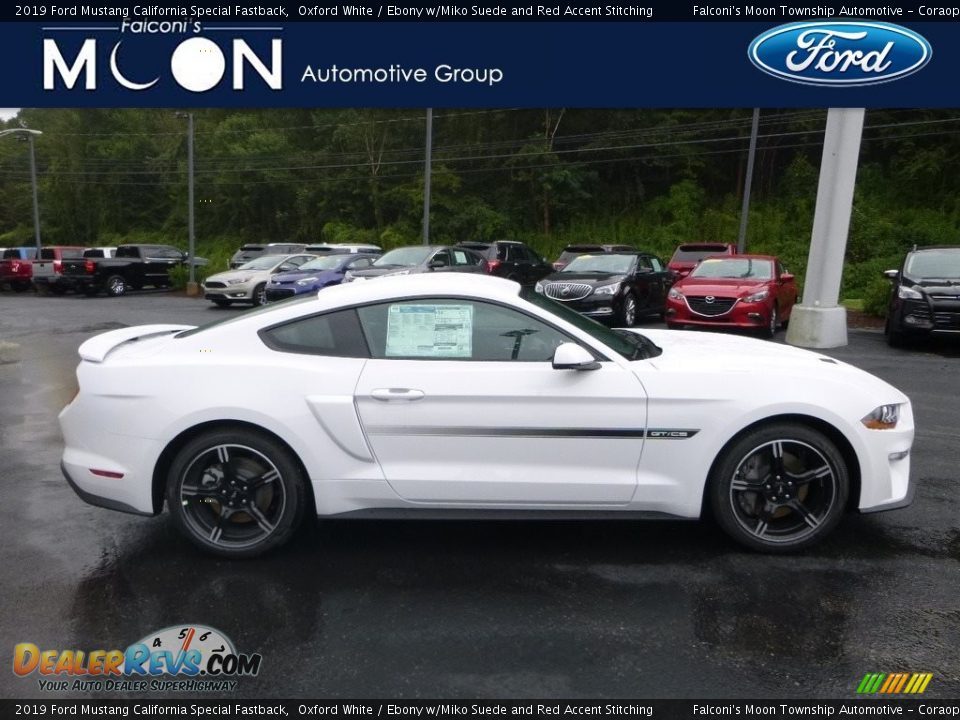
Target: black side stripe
[(521, 432)]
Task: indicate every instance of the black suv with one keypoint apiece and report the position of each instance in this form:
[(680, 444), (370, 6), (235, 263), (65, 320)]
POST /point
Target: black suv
[(926, 294), (511, 259)]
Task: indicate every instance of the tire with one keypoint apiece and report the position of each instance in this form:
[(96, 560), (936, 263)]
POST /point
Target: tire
[(771, 330), (675, 326), (779, 488), (220, 302), (260, 294), (20, 286), (217, 478), (116, 286), (628, 310), (895, 339)]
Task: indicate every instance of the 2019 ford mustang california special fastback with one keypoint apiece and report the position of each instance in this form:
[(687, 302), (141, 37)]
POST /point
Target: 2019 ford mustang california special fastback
[(445, 393)]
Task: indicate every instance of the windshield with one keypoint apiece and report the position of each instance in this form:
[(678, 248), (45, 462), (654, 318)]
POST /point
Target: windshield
[(264, 262), (934, 264), (628, 344), (692, 253), (328, 262), (407, 257), (620, 264), (739, 268)]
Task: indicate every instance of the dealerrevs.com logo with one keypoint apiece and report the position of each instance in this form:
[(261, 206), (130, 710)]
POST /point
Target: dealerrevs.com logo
[(840, 53), (197, 657)]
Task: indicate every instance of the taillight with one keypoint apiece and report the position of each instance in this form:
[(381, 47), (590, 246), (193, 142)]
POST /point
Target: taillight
[(89, 266), (58, 266), (492, 265), (15, 266)]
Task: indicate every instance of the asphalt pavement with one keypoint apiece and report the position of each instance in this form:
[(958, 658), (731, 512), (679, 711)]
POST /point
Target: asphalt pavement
[(406, 609)]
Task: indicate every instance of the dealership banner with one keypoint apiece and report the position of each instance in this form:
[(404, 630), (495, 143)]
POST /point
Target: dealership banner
[(497, 709), (481, 55)]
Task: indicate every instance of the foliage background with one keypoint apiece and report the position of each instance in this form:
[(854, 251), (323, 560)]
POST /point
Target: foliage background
[(653, 178)]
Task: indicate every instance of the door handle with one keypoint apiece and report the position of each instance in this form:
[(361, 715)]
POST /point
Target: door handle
[(396, 394)]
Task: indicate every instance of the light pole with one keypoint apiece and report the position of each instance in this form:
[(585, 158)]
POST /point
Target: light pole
[(427, 167), (192, 287), (33, 179)]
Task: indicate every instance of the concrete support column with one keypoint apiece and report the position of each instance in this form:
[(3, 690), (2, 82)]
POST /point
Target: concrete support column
[(819, 321)]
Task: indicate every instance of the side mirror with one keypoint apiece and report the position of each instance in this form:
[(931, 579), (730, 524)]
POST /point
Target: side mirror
[(570, 356), (786, 277), (438, 263), (891, 274)]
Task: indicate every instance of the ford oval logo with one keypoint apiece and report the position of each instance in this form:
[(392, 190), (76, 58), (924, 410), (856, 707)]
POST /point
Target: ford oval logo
[(844, 54)]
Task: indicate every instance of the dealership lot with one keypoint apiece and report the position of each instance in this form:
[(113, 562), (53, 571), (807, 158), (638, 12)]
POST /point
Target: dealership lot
[(487, 609)]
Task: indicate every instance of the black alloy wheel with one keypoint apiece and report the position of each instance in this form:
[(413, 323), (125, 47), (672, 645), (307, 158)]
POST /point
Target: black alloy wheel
[(780, 488), (236, 493)]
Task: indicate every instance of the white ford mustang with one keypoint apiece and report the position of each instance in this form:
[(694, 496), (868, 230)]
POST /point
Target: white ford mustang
[(449, 395)]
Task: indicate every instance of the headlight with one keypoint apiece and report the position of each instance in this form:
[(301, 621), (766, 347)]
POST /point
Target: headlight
[(757, 296), (884, 417), (238, 280), (675, 294), (908, 293), (306, 281), (611, 289), (539, 287)]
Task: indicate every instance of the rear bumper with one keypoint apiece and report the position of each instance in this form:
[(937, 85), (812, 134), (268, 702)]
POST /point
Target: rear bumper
[(98, 500)]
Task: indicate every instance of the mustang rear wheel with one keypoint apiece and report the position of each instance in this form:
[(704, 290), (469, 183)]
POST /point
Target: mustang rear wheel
[(780, 488), (236, 493)]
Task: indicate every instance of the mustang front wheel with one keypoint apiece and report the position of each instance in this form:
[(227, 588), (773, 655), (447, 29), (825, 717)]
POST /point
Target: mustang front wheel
[(780, 488), (236, 493)]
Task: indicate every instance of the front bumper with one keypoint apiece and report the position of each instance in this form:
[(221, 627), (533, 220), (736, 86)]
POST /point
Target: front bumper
[(238, 293), (745, 316), (596, 306), (923, 317)]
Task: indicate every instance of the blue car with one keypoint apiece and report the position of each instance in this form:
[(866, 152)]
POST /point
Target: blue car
[(317, 274)]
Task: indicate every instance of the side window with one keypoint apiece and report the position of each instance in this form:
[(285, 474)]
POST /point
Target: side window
[(453, 329), (462, 258), (643, 262), (656, 264), (780, 269), (359, 264), (440, 259), (335, 334)]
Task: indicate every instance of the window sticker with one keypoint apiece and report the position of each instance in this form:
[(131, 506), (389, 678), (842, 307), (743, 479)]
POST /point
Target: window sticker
[(430, 331), (460, 257)]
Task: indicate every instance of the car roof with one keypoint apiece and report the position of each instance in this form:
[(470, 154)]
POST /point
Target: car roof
[(705, 245), (935, 247)]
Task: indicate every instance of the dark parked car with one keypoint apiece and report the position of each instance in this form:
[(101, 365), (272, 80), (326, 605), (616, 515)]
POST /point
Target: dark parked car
[(926, 294), (742, 291), (617, 287), (133, 266), (316, 275), (511, 259), (420, 259), (686, 256), (572, 251)]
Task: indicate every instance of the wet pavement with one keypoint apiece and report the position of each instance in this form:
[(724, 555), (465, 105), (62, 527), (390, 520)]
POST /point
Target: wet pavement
[(404, 609)]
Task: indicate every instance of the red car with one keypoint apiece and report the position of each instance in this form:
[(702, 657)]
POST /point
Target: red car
[(686, 256), (742, 291), (16, 267)]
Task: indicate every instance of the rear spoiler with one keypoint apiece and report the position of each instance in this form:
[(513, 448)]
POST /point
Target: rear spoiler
[(97, 348)]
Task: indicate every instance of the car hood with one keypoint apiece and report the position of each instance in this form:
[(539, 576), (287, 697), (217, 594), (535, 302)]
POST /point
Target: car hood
[(321, 275), (937, 286), (233, 274), (592, 279), (708, 353), (732, 287)]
